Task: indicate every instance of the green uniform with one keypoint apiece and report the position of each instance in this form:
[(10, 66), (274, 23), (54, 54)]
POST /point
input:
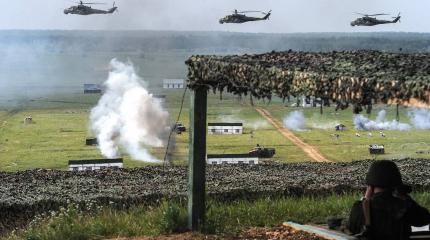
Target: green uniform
[(390, 217)]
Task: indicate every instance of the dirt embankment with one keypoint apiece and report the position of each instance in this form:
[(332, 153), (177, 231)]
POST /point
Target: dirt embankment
[(24, 194)]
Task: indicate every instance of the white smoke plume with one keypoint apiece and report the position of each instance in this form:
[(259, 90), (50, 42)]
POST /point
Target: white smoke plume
[(258, 124), (420, 118), (317, 122), (253, 124), (295, 121), (329, 125), (127, 117), (381, 123)]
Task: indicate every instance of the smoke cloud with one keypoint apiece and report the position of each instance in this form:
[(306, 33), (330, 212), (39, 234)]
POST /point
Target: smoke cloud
[(127, 117), (295, 121), (380, 123), (253, 124), (420, 118)]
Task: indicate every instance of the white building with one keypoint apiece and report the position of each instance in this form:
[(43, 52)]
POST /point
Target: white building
[(225, 128), (173, 83), (92, 88), (96, 164), (231, 159), (309, 102)]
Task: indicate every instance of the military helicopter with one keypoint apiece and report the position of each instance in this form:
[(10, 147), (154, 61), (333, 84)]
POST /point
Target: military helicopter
[(370, 20), (240, 17), (82, 9)]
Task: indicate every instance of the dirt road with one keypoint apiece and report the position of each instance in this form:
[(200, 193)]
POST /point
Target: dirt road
[(311, 151)]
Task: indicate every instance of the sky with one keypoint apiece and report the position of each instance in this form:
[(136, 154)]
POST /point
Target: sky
[(203, 15)]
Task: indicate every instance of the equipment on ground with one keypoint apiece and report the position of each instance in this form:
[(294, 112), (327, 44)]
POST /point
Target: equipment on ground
[(340, 127), (179, 128), (91, 142), (262, 152), (83, 9), (370, 20), (376, 149), (240, 17)]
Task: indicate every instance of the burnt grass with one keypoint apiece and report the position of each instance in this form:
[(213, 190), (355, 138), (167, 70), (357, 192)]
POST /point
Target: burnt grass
[(28, 193)]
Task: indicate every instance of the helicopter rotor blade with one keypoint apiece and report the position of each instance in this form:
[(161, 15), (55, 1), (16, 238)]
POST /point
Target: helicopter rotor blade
[(250, 11), (379, 14), (90, 3), (369, 15), (360, 14)]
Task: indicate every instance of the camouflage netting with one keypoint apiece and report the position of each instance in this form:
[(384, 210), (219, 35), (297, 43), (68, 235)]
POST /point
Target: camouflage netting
[(24, 194), (356, 77)]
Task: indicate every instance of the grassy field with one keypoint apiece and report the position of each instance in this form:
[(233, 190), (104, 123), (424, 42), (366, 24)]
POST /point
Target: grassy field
[(169, 217), (398, 144), (61, 126)]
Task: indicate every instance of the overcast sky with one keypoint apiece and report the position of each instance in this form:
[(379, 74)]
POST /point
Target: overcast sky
[(203, 15)]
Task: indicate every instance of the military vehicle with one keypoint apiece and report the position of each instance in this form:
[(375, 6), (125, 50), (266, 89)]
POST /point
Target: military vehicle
[(240, 17), (179, 128), (83, 9), (262, 152), (370, 20)]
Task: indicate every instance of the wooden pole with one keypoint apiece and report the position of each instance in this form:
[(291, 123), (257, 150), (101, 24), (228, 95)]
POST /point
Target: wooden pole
[(197, 159)]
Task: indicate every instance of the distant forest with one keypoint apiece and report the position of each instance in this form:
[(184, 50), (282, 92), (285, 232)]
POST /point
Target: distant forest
[(207, 42)]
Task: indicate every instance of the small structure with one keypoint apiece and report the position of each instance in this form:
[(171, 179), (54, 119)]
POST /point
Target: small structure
[(376, 149), (28, 120), (340, 127), (225, 128), (91, 142), (173, 83), (231, 159), (95, 164), (92, 88), (310, 101)]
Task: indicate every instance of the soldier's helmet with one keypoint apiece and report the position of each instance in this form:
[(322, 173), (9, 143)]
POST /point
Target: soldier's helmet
[(384, 173)]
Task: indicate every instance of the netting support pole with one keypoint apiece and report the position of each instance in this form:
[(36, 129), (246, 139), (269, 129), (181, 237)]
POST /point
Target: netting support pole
[(197, 159), (397, 113)]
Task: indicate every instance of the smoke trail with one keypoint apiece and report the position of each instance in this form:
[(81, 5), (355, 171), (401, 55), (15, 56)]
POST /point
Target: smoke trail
[(363, 123), (324, 126), (420, 118), (127, 116), (295, 121)]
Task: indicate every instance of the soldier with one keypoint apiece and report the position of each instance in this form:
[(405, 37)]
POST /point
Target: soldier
[(387, 211)]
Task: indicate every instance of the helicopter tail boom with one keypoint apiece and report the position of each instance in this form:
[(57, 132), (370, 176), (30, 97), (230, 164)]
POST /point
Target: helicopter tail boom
[(267, 15), (397, 19)]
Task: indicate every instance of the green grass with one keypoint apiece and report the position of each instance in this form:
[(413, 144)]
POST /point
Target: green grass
[(398, 144), (170, 217), (61, 126)]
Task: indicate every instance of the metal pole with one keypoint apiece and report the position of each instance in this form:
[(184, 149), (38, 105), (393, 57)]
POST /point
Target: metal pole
[(197, 159), (397, 113)]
